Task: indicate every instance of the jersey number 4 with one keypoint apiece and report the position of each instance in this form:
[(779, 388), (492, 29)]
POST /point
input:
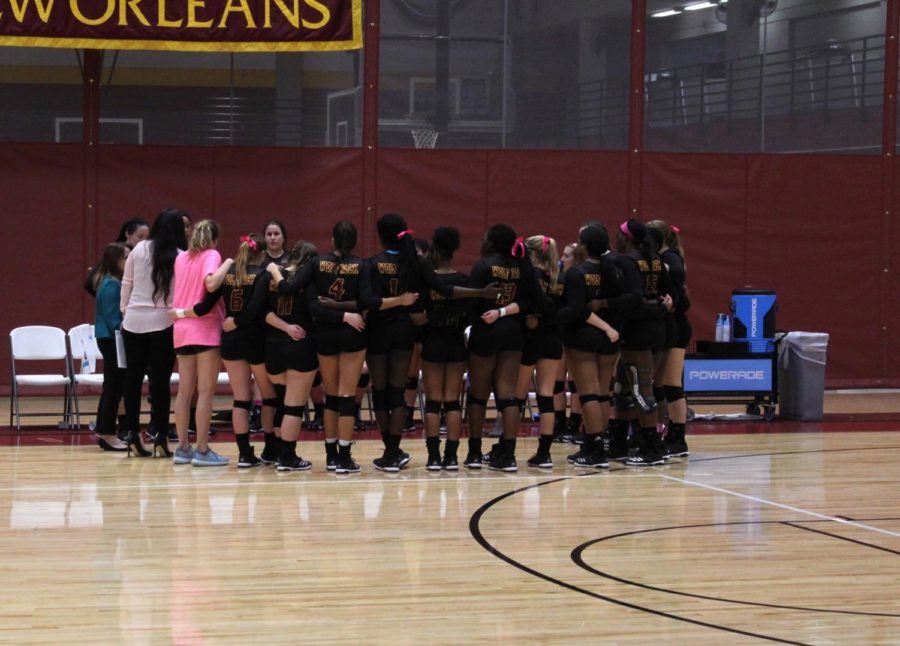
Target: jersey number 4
[(336, 291)]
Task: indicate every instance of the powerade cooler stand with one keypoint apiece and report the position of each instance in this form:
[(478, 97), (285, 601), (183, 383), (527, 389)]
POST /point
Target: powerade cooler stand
[(744, 370)]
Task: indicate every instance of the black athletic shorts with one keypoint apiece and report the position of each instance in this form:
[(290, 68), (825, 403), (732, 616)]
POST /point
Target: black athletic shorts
[(505, 335), (240, 345), (334, 338), (394, 334), (541, 345), (678, 331), (286, 354), (189, 350), (644, 334), (444, 345), (587, 338)]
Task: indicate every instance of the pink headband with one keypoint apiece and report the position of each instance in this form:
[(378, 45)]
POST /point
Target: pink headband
[(545, 242), (250, 242), (405, 232), (518, 245), (626, 231)]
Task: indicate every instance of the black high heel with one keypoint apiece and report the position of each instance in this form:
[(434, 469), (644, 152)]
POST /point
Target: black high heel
[(161, 446), (135, 446)]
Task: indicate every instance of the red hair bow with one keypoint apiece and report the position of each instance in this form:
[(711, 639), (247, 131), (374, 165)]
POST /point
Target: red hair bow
[(518, 245), (545, 242), (405, 232), (250, 242)]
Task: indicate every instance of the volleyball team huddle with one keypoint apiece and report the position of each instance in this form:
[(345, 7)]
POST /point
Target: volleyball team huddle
[(616, 318)]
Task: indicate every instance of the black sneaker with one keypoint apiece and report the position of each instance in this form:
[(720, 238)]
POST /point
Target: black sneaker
[(588, 459), (616, 450), (434, 463), (489, 457), (248, 460), (295, 463), (268, 456), (644, 459), (256, 420), (316, 425), (387, 463), (410, 424), (347, 465), (221, 416), (675, 448), (472, 461), (450, 463), (539, 461), (403, 458), (443, 426), (505, 463), (331, 462)]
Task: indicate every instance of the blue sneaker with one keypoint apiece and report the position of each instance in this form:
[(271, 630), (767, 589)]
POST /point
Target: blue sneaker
[(183, 456), (209, 459)]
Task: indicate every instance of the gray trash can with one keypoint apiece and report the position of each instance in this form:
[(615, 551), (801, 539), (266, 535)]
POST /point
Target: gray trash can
[(801, 375)]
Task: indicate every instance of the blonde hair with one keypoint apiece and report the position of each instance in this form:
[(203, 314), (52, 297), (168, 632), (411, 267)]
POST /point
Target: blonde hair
[(669, 235), (247, 253), (300, 254), (204, 236), (544, 253)]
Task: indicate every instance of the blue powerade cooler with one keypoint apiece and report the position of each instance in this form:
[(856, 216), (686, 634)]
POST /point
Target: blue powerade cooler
[(754, 318)]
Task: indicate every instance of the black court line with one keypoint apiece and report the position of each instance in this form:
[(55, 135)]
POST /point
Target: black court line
[(843, 538), (577, 556), (474, 528)]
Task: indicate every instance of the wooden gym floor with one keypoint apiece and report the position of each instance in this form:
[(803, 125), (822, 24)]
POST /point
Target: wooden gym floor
[(781, 532)]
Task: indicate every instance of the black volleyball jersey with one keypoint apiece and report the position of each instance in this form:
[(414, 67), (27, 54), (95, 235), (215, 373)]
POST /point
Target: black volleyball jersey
[(515, 286), (587, 282), (389, 280), (340, 278), (678, 274), (291, 307), (646, 281), (448, 314), (242, 302), (552, 301)]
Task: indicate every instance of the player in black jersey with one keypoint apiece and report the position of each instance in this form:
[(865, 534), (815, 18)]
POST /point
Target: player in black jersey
[(650, 291), (396, 271), (276, 243), (496, 341), (543, 349), (591, 339), (566, 430), (243, 341), (670, 373), (443, 353)]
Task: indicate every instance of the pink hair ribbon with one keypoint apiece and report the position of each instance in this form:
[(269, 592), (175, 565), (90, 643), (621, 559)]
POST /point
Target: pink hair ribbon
[(626, 231), (545, 242), (405, 232), (250, 242), (518, 245), (674, 228)]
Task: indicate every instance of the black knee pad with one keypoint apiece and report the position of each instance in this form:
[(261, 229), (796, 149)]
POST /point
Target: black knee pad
[(545, 403), (432, 407), (521, 404), (659, 393), (503, 404), (452, 406), (364, 380), (587, 398), (280, 390), (240, 403), (272, 402), (412, 383), (395, 397), (472, 400), (673, 393), (572, 387), (332, 403), (380, 399), (347, 406), (559, 387), (294, 411)]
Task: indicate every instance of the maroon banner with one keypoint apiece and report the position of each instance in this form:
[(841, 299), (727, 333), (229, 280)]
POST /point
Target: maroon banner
[(183, 25)]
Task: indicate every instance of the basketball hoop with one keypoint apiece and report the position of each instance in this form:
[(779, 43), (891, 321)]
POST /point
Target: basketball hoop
[(423, 133)]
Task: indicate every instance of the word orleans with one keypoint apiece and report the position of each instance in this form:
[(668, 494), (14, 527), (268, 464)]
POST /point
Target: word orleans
[(174, 14)]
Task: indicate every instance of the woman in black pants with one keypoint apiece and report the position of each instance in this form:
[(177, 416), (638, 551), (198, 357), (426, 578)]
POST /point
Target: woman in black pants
[(146, 327)]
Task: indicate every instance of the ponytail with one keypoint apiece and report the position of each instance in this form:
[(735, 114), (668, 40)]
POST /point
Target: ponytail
[(543, 249), (250, 249)]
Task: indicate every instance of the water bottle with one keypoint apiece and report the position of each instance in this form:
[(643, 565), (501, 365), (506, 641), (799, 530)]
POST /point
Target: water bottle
[(719, 327), (726, 328)]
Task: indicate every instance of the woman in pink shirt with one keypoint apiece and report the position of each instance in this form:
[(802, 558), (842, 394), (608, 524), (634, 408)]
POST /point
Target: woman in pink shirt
[(197, 341)]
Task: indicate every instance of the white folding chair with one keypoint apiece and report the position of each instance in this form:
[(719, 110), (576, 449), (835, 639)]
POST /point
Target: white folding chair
[(41, 343), (84, 354)]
